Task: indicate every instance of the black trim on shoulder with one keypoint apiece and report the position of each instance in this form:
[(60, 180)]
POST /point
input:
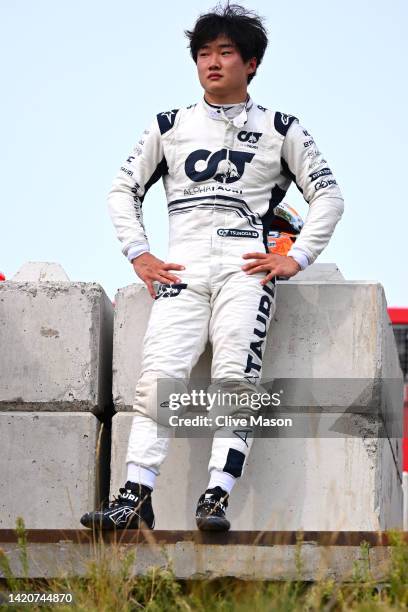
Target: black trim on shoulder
[(282, 122), (166, 120)]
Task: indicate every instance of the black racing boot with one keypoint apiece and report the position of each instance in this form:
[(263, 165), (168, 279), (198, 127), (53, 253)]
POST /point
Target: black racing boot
[(210, 513), (131, 510)]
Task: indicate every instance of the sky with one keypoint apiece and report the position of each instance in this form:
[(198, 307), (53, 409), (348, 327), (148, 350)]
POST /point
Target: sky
[(81, 80)]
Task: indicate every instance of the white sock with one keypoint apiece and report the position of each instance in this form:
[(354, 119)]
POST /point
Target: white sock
[(218, 478), (138, 473)]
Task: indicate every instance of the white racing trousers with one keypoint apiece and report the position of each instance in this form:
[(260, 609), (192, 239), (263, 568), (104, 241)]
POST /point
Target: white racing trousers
[(233, 310)]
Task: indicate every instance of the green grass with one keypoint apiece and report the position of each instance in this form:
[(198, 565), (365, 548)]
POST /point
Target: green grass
[(108, 585)]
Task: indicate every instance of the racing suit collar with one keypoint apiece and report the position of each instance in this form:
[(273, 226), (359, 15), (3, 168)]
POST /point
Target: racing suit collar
[(237, 114)]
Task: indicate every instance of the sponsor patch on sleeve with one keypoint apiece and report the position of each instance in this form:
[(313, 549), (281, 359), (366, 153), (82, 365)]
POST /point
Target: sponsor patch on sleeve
[(319, 173)]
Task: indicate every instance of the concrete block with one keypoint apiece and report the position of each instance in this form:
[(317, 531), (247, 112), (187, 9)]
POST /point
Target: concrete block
[(318, 272), (334, 335), (132, 311), (344, 483), (40, 271), (59, 346), (51, 472), (340, 333)]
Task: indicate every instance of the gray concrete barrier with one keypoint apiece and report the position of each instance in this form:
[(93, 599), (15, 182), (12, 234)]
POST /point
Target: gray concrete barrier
[(53, 467), (332, 332), (55, 392), (58, 339), (318, 272)]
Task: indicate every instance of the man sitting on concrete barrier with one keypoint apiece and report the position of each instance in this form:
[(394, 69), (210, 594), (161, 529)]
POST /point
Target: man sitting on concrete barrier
[(226, 163)]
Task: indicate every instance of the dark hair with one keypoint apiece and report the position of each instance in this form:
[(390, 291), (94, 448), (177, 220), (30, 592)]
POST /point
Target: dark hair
[(245, 29)]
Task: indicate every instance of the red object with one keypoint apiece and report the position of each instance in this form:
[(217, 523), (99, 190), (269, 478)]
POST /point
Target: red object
[(2, 277), (405, 438), (398, 316)]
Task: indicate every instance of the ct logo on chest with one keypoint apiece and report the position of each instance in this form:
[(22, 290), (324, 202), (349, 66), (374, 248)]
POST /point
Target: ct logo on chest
[(250, 137), (223, 166)]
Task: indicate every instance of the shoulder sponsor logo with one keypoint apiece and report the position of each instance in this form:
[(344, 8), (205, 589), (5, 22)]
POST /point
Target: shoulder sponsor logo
[(282, 122), (319, 173), (262, 108), (308, 143), (168, 114), (286, 118), (325, 183), (166, 120), (202, 165), (237, 233)]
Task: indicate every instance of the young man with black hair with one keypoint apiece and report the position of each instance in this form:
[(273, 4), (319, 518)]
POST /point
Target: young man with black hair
[(226, 162)]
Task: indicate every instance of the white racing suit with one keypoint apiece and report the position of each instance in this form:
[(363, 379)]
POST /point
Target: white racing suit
[(223, 176)]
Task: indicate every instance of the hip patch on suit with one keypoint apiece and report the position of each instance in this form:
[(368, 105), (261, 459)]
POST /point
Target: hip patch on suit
[(168, 291)]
